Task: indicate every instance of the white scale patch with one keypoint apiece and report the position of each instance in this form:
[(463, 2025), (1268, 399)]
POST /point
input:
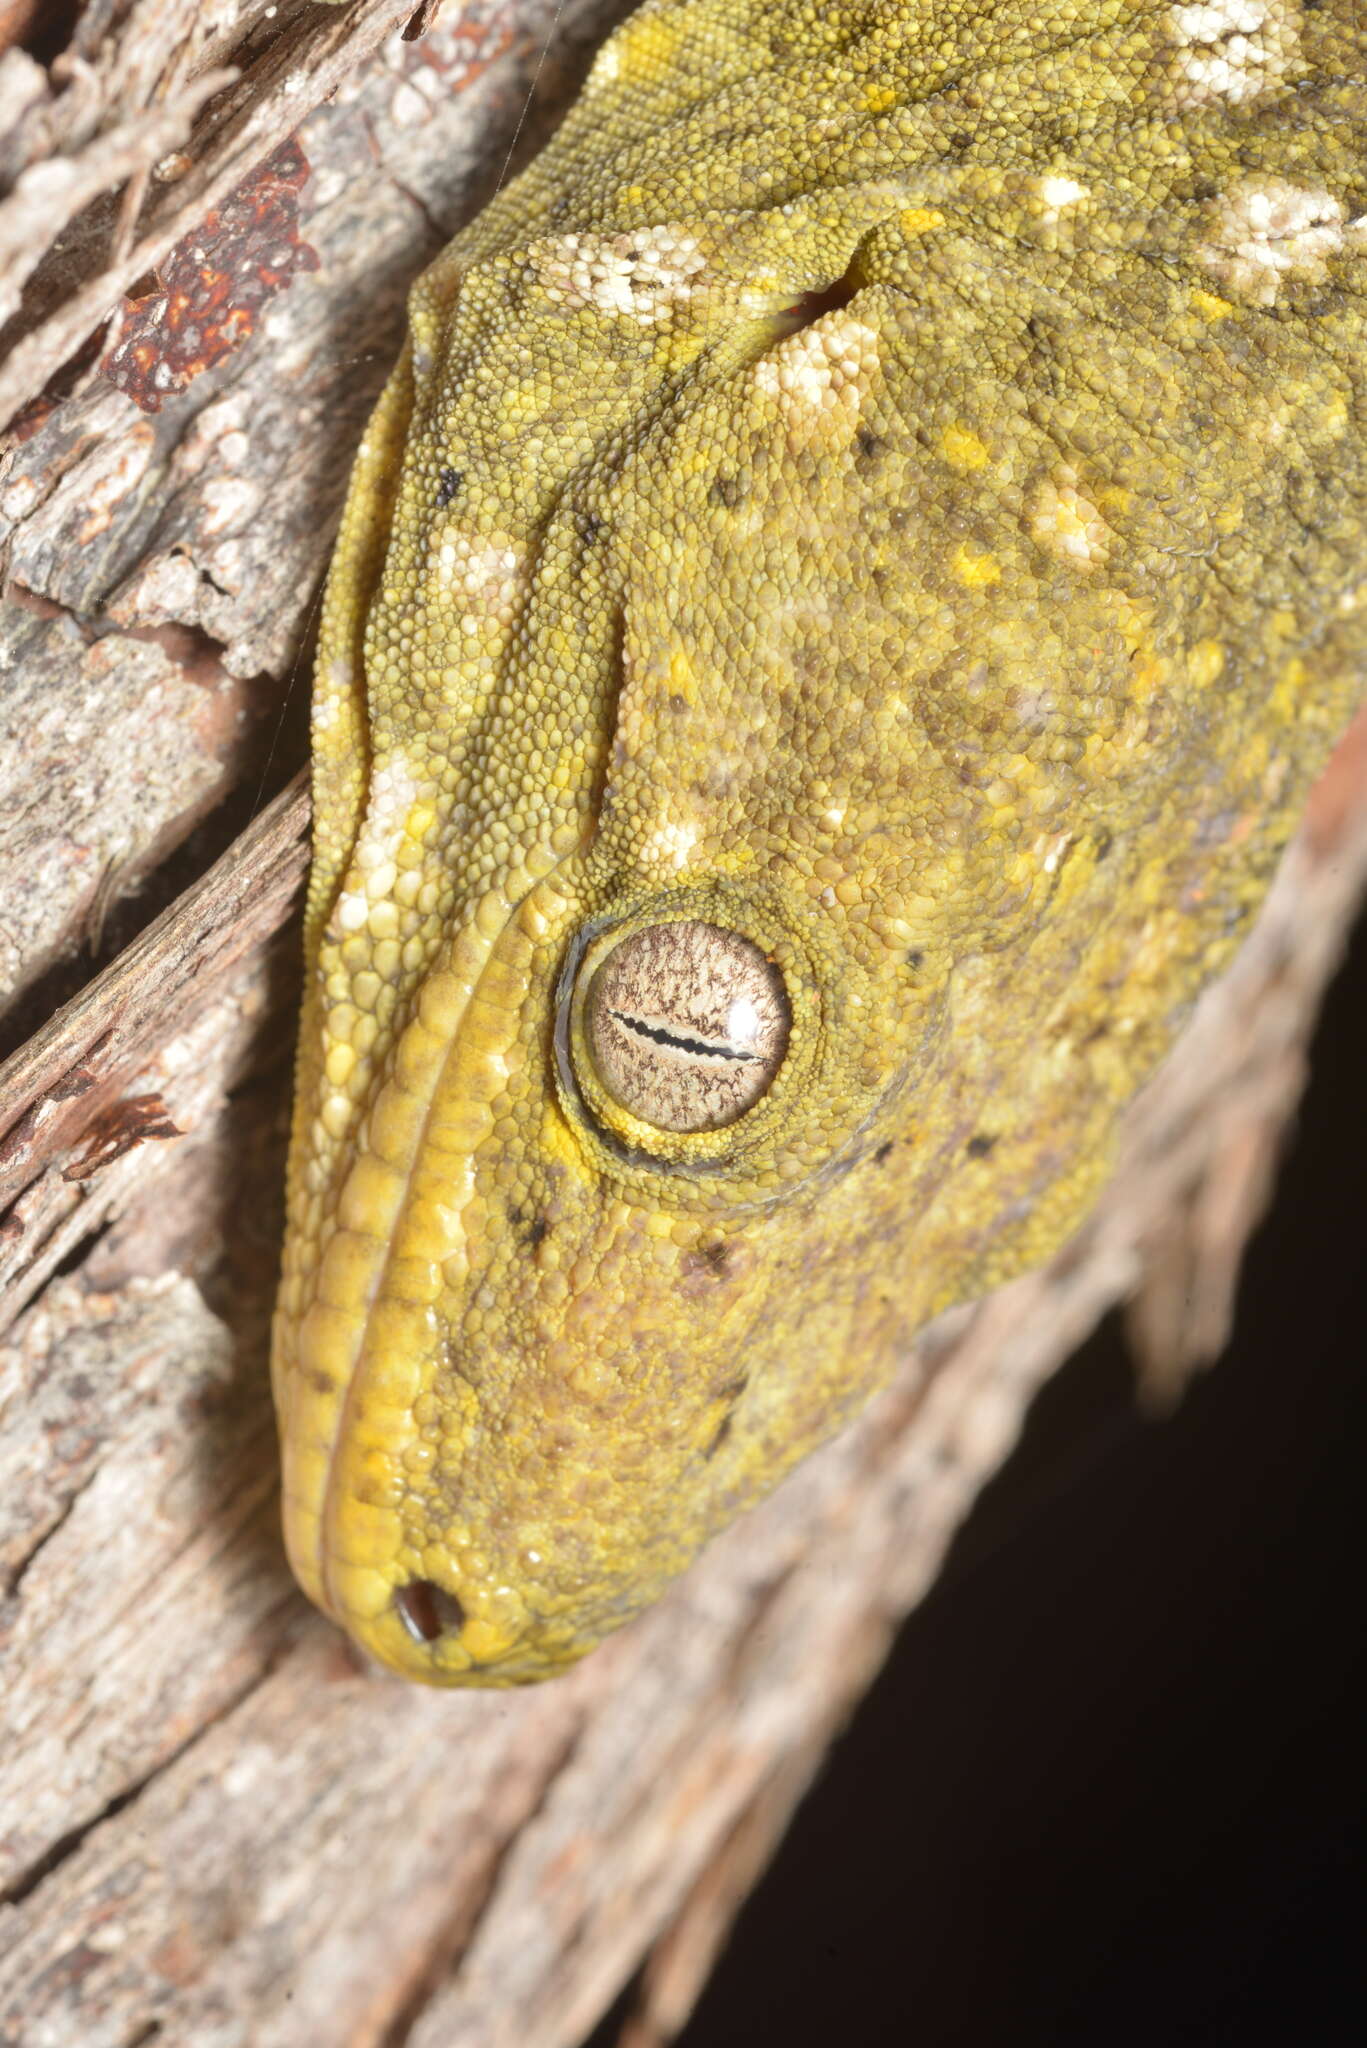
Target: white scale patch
[(1067, 524), (330, 695), (1055, 193), (640, 276), (1267, 229), (819, 376), (484, 574), (1232, 49), (606, 69), (668, 845), (393, 791)]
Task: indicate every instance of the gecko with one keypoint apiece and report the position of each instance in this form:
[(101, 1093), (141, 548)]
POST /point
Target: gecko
[(837, 612)]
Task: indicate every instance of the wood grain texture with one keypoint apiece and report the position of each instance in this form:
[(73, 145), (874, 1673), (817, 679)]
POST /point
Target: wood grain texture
[(173, 1019), (212, 1822)]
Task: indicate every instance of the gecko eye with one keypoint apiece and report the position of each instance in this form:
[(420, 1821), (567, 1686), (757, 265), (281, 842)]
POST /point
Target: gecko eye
[(687, 1024)]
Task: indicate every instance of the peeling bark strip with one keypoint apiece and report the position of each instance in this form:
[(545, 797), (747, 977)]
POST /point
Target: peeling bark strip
[(81, 1100), (213, 1827), (63, 1078)]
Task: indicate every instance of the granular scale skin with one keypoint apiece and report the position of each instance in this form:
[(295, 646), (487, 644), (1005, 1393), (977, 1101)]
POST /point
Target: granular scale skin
[(887, 483)]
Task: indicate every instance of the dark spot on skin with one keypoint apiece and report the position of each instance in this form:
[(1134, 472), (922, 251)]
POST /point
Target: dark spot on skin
[(870, 444), (979, 1145), (712, 1259), (726, 490), (449, 487), (678, 703), (883, 1153), (1104, 842), (915, 958), (428, 1611), (701, 1270), (1097, 1031), (590, 526), (536, 1232), (730, 1393)]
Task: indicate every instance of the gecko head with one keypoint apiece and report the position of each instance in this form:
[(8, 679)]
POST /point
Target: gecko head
[(642, 1156), (707, 928), (626, 1172)]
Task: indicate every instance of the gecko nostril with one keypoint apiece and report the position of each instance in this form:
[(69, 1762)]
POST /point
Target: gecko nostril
[(427, 1610)]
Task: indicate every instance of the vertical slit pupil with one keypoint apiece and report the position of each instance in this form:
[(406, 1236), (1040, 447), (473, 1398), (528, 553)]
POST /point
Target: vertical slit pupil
[(428, 1611)]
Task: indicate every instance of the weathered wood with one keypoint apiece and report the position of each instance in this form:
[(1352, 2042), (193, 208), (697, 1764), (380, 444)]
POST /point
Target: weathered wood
[(131, 110), (163, 564), (211, 1820), (76, 1102)]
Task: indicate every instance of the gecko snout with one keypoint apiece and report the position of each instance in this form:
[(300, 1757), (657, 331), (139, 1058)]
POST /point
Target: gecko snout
[(442, 1642), (429, 1611)]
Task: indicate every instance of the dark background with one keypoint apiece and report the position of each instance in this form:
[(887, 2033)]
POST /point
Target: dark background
[(1110, 1788)]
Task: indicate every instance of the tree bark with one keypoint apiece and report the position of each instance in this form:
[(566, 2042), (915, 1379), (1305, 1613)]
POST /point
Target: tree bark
[(213, 1822)]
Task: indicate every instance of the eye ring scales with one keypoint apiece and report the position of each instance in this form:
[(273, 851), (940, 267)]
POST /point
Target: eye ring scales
[(687, 1025)]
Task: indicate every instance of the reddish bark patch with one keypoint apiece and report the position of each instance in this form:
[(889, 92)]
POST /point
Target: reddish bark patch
[(122, 1126), (207, 297)]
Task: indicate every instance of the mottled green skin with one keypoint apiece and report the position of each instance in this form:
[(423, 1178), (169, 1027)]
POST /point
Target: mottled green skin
[(918, 524)]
